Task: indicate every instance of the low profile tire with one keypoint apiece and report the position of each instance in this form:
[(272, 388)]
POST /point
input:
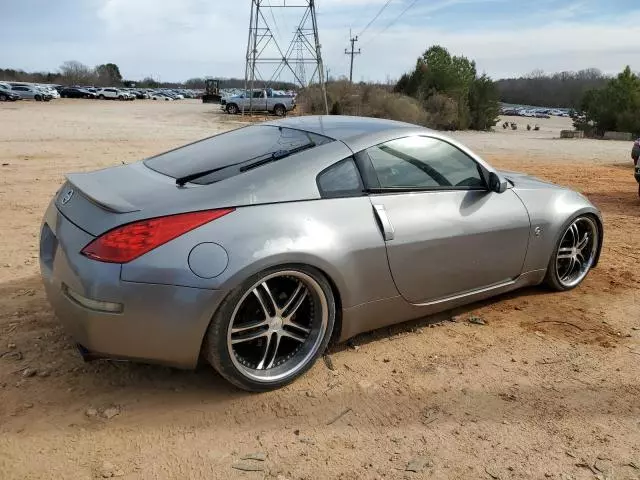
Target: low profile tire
[(232, 109), (271, 329), (280, 111), (574, 254)]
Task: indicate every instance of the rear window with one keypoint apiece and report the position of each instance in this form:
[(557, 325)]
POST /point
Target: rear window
[(230, 148)]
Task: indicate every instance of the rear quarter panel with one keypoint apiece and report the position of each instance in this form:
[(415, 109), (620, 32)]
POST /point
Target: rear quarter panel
[(337, 236)]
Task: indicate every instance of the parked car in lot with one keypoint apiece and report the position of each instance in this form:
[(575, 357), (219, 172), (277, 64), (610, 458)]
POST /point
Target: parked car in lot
[(261, 101), (74, 92), (255, 247), (30, 92), (111, 94), (6, 95), (50, 90), (160, 96)]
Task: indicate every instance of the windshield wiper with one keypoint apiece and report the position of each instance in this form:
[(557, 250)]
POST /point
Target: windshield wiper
[(270, 157), (277, 155)]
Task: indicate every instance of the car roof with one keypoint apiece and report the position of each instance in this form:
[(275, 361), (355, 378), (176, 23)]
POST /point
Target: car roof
[(355, 132)]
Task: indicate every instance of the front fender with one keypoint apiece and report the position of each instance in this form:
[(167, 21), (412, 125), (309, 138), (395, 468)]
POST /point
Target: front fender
[(550, 211)]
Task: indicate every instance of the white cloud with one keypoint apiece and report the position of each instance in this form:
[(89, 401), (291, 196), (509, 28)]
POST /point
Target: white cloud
[(179, 39)]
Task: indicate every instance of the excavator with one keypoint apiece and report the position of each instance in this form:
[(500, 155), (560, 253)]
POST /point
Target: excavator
[(211, 91)]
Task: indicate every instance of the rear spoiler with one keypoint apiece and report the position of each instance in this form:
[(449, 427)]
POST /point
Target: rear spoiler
[(99, 193)]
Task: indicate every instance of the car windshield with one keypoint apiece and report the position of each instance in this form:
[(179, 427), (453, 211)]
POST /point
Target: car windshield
[(231, 148)]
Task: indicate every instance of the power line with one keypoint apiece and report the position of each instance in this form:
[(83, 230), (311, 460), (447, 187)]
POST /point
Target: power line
[(392, 22), (275, 24), (376, 17)]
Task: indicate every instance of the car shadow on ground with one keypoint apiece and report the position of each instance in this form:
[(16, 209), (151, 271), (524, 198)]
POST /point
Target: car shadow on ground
[(38, 341)]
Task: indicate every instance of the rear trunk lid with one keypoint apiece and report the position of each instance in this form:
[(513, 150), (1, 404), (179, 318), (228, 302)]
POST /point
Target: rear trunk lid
[(98, 201)]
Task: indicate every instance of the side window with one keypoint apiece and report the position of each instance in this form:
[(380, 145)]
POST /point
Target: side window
[(424, 162), (257, 94), (341, 179)]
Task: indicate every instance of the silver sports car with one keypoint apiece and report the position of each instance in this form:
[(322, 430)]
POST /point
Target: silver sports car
[(254, 248)]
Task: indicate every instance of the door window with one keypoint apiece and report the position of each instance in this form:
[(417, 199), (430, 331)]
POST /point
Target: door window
[(424, 163)]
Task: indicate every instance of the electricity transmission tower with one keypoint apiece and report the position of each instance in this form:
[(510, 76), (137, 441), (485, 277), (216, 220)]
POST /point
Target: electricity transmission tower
[(300, 47), (303, 50)]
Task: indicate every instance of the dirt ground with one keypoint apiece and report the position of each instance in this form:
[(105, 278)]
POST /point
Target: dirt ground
[(548, 388)]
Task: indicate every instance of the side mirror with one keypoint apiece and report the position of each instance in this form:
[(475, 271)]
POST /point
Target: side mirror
[(497, 183)]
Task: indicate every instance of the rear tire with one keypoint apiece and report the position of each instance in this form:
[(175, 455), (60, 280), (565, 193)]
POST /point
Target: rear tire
[(574, 254), (37, 98), (280, 111), (264, 355)]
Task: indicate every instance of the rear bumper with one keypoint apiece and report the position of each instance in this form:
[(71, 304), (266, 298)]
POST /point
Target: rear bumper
[(157, 323)]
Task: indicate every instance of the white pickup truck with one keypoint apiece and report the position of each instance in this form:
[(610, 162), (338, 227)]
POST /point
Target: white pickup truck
[(260, 101)]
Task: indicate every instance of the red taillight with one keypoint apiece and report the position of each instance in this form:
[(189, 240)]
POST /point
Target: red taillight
[(126, 243)]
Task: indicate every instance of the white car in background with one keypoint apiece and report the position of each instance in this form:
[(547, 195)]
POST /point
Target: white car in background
[(111, 94), (50, 90), (160, 96)]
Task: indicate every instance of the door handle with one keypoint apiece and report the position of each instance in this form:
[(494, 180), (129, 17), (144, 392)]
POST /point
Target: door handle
[(385, 224)]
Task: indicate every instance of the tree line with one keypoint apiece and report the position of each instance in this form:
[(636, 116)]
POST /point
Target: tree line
[(612, 107), (451, 91), (70, 73), (564, 89), (108, 75)]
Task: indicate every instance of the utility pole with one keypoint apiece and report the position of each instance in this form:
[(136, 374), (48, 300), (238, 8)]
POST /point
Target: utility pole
[(353, 40)]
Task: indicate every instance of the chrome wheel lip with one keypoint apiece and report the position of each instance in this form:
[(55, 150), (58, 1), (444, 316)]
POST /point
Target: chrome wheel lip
[(587, 256), (311, 344)]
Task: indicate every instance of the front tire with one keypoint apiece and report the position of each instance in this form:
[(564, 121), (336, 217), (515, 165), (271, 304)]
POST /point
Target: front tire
[(232, 109), (575, 253), (3, 97), (271, 329), (101, 97)]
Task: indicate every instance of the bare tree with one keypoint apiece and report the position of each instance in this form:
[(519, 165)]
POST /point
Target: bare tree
[(75, 73)]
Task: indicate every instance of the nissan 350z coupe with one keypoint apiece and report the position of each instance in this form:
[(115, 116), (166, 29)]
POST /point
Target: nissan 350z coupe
[(254, 248)]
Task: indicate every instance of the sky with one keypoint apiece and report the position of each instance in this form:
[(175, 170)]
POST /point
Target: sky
[(174, 40)]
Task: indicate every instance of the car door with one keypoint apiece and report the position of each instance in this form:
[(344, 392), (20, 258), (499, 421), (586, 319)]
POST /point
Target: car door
[(24, 92), (446, 233)]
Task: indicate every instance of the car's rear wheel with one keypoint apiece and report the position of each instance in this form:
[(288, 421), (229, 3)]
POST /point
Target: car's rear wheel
[(272, 328), (280, 111), (38, 98), (574, 254)]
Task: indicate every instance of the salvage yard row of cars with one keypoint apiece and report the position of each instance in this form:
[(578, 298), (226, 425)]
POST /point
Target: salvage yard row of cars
[(12, 91)]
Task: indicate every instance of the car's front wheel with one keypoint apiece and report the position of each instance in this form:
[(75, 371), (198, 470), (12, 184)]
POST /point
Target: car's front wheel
[(574, 254), (3, 97), (232, 109), (271, 329)]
